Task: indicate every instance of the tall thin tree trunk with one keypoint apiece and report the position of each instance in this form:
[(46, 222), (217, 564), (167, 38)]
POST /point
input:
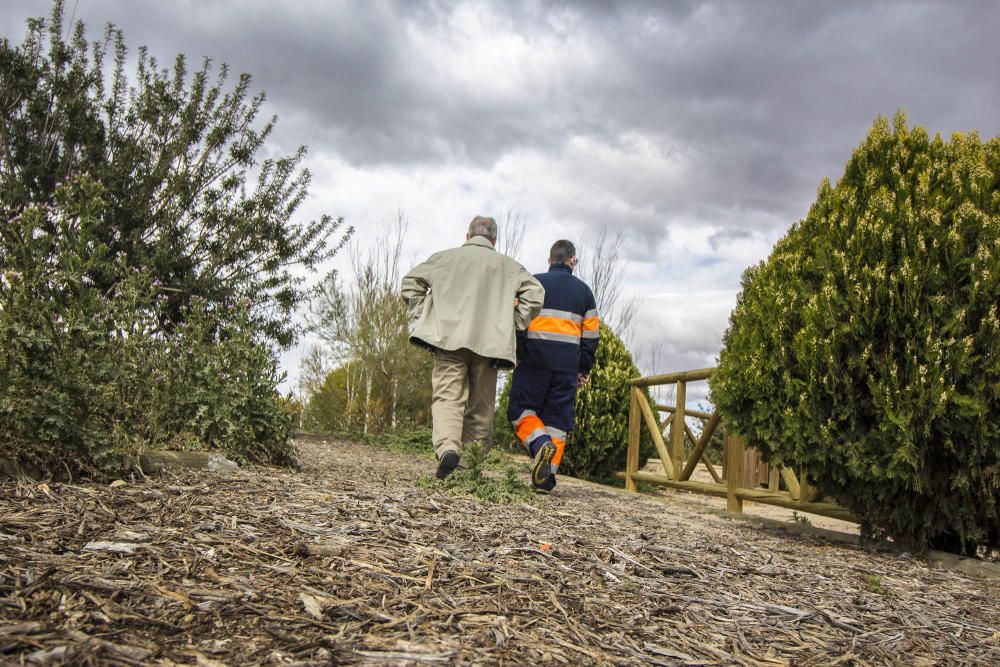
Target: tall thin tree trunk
[(349, 391), (368, 401), (395, 389)]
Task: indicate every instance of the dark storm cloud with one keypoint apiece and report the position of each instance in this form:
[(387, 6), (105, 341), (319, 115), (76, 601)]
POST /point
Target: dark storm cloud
[(728, 235), (764, 98), (774, 96)]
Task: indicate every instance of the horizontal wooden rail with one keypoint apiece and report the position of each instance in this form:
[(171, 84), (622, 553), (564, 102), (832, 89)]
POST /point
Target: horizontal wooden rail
[(762, 496), (670, 378), (801, 495), (687, 413)]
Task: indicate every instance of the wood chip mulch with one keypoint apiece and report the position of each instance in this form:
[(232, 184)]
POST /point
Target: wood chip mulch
[(351, 562)]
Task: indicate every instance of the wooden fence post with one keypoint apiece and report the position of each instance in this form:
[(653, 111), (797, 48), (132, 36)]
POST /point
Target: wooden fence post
[(772, 478), (677, 432), (808, 492), (632, 456), (735, 446)]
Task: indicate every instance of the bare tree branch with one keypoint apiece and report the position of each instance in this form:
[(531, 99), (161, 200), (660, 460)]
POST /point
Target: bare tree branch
[(511, 232), (601, 265)]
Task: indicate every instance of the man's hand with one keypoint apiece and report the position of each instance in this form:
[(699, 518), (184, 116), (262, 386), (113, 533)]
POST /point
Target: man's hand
[(581, 379), (517, 302)]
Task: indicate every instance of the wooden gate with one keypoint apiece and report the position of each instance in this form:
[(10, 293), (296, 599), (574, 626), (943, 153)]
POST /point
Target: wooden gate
[(744, 476)]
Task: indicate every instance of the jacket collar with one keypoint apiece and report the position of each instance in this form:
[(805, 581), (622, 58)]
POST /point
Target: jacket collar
[(560, 267), (481, 241)]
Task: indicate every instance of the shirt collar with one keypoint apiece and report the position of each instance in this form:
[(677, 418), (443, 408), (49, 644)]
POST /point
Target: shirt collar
[(481, 241), (560, 267)]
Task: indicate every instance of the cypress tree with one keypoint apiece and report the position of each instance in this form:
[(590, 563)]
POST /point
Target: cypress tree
[(865, 346)]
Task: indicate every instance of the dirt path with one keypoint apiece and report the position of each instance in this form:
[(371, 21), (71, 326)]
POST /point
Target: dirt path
[(350, 561)]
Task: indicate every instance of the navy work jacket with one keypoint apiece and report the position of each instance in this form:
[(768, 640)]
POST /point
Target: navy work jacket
[(564, 336)]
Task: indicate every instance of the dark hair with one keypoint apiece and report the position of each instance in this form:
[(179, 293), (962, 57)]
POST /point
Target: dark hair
[(562, 251)]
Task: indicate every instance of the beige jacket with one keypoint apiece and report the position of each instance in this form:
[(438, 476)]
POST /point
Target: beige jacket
[(471, 297)]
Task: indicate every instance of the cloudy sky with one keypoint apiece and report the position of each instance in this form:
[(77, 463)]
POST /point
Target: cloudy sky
[(700, 130)]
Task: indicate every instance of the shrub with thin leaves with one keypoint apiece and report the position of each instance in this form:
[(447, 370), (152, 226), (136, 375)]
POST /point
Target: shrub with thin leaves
[(193, 196), (148, 249), (597, 446), (88, 378), (866, 346)]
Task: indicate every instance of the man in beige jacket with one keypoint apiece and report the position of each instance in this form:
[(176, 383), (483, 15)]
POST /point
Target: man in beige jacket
[(465, 305)]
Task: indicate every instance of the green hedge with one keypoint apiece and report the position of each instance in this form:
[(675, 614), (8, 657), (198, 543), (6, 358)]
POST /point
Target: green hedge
[(597, 447), (866, 346)]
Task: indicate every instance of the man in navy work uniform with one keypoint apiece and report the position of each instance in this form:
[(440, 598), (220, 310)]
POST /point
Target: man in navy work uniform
[(554, 357)]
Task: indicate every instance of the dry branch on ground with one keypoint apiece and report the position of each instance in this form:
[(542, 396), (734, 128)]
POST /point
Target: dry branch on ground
[(351, 562)]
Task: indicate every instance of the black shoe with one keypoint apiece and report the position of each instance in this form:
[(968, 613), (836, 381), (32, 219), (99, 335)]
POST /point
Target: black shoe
[(545, 488), (541, 470), (447, 464)]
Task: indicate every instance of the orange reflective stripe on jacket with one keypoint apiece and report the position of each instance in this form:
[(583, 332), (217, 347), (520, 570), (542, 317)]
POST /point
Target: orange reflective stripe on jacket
[(565, 334), (558, 325), (591, 324)]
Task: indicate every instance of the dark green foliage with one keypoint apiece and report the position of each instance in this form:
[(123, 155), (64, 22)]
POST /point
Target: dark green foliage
[(328, 407), (186, 198), (503, 432), (865, 346), (146, 256), (597, 446), (344, 402), (403, 440), (87, 380)]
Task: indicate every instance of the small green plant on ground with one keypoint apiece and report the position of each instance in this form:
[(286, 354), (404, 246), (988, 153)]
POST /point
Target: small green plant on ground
[(800, 518), (873, 584), (473, 480)]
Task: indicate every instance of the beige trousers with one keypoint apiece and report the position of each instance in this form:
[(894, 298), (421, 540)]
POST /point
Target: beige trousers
[(464, 388)]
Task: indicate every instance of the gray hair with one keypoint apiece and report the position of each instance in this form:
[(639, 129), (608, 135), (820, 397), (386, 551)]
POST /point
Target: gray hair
[(562, 251), (483, 226)]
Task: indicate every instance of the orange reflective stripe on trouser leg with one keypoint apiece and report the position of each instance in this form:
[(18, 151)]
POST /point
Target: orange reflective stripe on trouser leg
[(560, 446), (529, 427)]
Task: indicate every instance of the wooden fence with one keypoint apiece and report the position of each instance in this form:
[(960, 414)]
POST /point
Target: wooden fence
[(744, 476)]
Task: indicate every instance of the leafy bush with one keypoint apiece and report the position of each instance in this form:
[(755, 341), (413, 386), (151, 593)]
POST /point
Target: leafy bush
[(146, 253), (340, 404), (865, 346), (598, 445), (87, 376), (188, 197)]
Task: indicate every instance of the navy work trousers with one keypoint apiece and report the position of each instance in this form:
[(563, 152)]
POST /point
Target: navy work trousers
[(541, 408)]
